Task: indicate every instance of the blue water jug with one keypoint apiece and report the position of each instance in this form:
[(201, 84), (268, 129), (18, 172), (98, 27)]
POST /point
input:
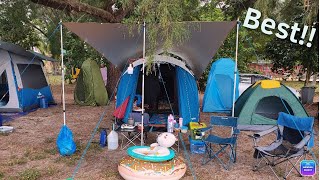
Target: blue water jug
[(0, 120), (103, 138)]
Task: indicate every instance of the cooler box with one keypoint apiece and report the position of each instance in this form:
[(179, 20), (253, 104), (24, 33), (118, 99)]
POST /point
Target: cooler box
[(194, 126), (197, 146)]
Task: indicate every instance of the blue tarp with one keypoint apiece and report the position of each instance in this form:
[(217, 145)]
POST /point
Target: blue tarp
[(127, 87), (188, 96), (218, 95)]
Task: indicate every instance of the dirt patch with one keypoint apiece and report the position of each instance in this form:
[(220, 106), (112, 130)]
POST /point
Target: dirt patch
[(31, 151)]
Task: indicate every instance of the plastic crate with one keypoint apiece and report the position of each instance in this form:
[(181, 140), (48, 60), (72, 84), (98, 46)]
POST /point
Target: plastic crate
[(197, 146)]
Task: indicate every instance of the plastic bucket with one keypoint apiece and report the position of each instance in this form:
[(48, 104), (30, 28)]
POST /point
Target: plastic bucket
[(43, 103)]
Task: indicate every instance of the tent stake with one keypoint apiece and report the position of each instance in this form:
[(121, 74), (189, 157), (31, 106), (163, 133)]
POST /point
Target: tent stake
[(143, 56), (62, 73), (235, 69)]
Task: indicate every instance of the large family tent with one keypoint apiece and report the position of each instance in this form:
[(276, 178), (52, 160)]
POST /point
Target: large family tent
[(173, 80), (218, 95), (185, 61), (90, 89), (21, 78), (262, 102)]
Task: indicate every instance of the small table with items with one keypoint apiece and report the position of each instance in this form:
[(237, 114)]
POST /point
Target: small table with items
[(129, 135)]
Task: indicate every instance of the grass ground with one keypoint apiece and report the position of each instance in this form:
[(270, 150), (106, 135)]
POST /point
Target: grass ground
[(30, 153)]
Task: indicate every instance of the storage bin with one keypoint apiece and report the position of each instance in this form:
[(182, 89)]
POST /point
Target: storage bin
[(197, 146)]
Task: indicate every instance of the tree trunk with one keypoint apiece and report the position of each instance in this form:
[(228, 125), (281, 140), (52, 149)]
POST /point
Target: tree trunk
[(113, 77), (308, 75)]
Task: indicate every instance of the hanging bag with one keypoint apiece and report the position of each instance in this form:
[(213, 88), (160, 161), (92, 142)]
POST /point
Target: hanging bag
[(65, 143)]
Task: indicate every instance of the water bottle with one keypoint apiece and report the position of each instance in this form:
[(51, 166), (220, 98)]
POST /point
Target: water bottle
[(170, 123), (181, 122), (103, 138), (113, 140), (0, 120)]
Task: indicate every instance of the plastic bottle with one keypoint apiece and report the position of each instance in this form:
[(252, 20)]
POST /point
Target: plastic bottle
[(103, 138), (113, 140), (181, 122), (170, 123)]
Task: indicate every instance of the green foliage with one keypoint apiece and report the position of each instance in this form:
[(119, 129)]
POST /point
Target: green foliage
[(16, 23), (285, 54), (162, 16)]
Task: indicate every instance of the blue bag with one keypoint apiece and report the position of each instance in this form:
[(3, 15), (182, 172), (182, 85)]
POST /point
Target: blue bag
[(65, 142)]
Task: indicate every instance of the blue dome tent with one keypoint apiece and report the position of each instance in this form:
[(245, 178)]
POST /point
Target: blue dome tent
[(218, 95)]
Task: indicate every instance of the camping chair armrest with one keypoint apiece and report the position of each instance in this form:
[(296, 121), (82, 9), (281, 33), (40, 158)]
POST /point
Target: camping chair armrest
[(265, 132), (303, 142)]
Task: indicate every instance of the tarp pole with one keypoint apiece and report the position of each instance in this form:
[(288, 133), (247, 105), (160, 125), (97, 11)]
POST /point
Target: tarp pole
[(235, 69), (143, 57), (62, 74)]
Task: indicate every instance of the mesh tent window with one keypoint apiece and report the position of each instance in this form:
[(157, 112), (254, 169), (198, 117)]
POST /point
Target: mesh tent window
[(4, 89), (271, 106), (32, 77)]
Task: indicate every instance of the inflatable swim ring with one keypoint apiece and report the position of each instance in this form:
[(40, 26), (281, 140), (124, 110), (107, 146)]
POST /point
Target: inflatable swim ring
[(142, 153), (135, 169)]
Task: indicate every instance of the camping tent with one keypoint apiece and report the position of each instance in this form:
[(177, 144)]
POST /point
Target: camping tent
[(21, 78), (218, 95), (180, 87), (90, 89), (261, 103)]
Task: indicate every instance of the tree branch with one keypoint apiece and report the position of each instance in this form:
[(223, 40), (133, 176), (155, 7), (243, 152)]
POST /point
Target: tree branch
[(73, 5), (34, 26)]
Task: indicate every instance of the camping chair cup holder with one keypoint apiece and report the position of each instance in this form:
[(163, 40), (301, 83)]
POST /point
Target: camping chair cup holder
[(223, 143), (291, 143)]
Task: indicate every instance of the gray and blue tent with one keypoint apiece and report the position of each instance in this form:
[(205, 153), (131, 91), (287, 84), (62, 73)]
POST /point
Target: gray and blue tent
[(21, 78), (180, 66), (218, 96)]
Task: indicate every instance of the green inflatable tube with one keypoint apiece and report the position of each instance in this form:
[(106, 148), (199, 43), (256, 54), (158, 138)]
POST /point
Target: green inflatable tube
[(153, 158)]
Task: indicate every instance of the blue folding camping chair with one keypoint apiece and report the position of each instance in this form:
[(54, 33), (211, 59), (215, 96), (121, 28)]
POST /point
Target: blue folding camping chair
[(224, 144), (295, 136)]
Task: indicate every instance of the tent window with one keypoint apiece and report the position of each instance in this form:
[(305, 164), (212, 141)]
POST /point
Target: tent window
[(32, 77), (270, 107), (4, 89)]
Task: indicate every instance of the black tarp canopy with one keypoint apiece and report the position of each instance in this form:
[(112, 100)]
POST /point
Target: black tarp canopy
[(119, 42)]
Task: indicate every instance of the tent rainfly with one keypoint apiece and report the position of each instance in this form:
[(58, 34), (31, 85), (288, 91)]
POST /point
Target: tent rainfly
[(21, 78)]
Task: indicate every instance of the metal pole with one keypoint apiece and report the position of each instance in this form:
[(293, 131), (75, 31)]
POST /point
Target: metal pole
[(143, 57), (62, 73), (235, 69)]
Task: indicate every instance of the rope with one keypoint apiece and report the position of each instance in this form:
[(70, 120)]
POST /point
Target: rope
[(94, 131), (187, 157), (165, 90), (312, 153)]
